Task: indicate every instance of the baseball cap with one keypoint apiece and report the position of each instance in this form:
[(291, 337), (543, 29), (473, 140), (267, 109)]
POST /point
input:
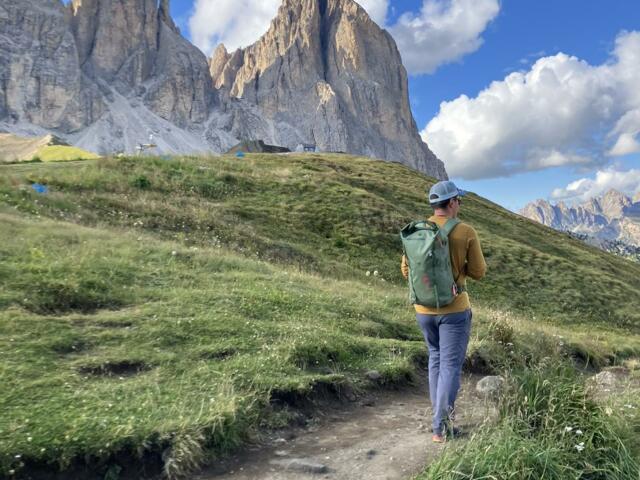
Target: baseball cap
[(442, 191)]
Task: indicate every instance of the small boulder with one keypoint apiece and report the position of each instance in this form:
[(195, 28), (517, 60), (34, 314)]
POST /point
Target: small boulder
[(605, 379), (611, 377), (304, 465), (373, 375), (490, 386)]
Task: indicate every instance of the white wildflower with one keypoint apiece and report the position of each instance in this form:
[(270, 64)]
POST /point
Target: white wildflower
[(174, 253), (580, 446), (375, 273), (368, 274), (568, 429), (578, 432)]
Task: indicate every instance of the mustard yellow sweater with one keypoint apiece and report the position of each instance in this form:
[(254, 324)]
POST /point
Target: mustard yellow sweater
[(466, 261)]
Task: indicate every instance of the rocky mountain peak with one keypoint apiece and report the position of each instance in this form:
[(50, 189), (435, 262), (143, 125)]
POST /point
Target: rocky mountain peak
[(117, 39), (106, 74), (614, 203), (164, 15), (329, 75), (593, 205), (613, 217), (563, 208)]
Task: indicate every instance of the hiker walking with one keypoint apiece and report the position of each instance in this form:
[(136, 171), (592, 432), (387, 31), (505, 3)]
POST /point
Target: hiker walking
[(439, 255)]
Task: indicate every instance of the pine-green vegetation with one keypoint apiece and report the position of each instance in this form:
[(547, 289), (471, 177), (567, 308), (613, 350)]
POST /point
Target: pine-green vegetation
[(170, 308)]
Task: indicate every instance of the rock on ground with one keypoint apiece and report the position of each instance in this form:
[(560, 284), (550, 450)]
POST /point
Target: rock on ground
[(490, 386)]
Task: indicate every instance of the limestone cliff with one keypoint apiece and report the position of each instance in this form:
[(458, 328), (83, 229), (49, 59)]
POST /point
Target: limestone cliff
[(335, 78), (134, 46), (107, 74), (40, 77), (613, 217)]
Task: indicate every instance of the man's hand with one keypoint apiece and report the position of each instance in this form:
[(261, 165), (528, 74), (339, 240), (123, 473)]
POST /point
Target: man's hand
[(404, 267)]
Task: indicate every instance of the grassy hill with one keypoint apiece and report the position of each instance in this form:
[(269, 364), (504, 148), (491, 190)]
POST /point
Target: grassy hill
[(63, 153), (153, 305), (339, 216), (47, 148)]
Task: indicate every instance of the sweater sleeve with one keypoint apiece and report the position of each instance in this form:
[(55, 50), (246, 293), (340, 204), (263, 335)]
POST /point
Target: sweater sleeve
[(404, 267), (476, 266)]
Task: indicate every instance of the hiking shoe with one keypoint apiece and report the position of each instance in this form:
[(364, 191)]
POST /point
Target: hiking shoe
[(453, 432), (437, 438)]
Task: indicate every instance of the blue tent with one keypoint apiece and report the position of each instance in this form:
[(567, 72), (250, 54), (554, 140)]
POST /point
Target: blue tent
[(240, 154)]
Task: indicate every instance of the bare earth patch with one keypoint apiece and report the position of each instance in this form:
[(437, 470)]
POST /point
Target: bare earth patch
[(385, 436)]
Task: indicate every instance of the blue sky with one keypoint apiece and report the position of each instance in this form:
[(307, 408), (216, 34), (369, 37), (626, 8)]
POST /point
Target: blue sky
[(586, 29), (522, 32)]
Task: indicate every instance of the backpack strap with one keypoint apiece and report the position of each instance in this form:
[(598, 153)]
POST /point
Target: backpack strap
[(445, 230), (448, 227)]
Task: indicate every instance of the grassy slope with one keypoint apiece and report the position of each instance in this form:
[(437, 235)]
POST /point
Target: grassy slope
[(340, 216), (215, 331), (24, 149), (57, 153), (212, 332)]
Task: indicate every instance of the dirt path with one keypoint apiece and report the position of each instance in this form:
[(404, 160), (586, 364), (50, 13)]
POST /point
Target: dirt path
[(384, 437)]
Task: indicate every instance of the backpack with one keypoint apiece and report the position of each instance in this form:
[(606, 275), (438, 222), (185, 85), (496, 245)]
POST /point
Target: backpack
[(426, 246)]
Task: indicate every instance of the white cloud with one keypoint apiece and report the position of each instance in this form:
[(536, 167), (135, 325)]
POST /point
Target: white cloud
[(563, 111), (239, 23), (236, 23), (624, 181), (627, 130), (377, 10), (443, 32)]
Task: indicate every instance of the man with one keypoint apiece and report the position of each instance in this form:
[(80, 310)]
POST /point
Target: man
[(446, 329)]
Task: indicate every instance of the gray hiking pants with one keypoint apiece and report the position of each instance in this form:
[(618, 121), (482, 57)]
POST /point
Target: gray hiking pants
[(447, 337)]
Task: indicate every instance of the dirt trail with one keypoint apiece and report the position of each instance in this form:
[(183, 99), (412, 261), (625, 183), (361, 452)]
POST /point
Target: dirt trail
[(384, 437)]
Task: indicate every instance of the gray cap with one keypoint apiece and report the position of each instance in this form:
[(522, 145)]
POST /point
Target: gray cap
[(442, 191)]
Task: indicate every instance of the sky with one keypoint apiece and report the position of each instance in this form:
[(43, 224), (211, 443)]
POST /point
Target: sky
[(522, 99)]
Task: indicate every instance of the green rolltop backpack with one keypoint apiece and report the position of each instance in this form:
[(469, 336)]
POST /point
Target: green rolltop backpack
[(426, 246)]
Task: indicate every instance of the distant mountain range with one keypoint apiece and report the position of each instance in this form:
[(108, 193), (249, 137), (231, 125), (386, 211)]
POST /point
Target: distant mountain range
[(104, 75), (611, 221)]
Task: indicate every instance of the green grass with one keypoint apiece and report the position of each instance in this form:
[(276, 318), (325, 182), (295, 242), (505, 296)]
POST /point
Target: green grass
[(338, 216), (60, 153), (152, 305), (186, 344), (549, 428)]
